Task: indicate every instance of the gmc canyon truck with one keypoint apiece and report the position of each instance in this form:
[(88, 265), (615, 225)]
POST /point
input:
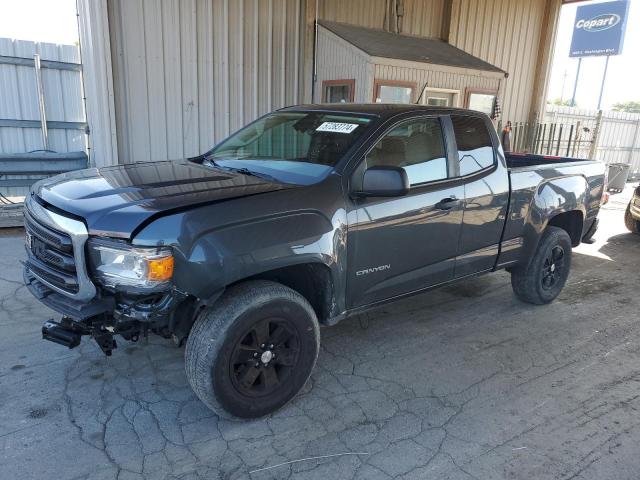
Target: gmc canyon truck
[(304, 217)]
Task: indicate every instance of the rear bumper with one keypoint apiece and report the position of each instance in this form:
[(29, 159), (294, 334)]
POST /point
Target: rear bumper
[(591, 230)]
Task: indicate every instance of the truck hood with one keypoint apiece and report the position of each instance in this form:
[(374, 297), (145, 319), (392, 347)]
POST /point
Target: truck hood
[(115, 201)]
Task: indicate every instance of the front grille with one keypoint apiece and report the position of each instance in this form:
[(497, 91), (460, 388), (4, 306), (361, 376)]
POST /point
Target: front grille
[(50, 255)]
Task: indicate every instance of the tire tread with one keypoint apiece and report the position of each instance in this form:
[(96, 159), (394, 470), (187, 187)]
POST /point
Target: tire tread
[(210, 329), (524, 280)]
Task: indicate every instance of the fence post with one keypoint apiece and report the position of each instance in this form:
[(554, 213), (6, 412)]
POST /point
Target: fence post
[(634, 142), (596, 136), (43, 115)]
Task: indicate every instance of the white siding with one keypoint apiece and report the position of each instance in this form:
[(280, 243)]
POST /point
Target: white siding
[(189, 72), (619, 138), (435, 77), (19, 97), (339, 60)]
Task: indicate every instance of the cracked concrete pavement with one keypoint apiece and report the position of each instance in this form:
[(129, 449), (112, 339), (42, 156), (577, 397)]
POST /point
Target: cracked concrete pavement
[(463, 382)]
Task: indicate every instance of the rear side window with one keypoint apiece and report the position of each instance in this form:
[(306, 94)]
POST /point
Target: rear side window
[(475, 150), (417, 146)]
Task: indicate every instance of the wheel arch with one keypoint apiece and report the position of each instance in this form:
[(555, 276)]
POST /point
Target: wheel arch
[(572, 222), (313, 280)]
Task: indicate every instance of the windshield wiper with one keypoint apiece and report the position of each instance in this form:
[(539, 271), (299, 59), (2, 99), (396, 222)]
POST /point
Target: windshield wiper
[(210, 162), (246, 171)]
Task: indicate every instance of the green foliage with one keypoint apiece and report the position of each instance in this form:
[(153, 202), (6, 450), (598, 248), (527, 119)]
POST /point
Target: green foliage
[(561, 102), (629, 106)]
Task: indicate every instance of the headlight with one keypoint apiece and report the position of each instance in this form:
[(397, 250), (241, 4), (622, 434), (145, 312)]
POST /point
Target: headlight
[(142, 267)]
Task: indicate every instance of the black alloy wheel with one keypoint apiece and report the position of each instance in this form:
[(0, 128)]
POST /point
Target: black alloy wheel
[(264, 358), (253, 350), (553, 268)]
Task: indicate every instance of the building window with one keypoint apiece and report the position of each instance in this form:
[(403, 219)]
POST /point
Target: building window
[(389, 91), (475, 150), (417, 146), (437, 102), (338, 91), (481, 100)]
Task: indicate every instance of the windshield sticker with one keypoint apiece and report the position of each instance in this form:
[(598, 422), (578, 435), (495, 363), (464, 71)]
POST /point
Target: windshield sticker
[(336, 127)]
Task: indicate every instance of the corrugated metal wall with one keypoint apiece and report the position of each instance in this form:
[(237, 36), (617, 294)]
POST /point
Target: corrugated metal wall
[(189, 72), (421, 17), (19, 97), (186, 73), (98, 81), (505, 34)]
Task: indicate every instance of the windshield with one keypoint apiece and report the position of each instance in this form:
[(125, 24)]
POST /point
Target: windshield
[(290, 147)]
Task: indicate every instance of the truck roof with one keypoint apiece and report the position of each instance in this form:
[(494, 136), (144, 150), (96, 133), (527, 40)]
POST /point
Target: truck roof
[(378, 109)]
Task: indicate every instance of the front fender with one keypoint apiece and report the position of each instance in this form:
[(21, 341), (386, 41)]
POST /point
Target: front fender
[(212, 255)]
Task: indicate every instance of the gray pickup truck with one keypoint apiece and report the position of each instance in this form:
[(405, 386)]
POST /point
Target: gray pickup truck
[(304, 217)]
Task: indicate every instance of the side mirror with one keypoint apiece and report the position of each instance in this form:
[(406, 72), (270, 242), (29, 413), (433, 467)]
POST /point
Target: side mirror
[(384, 182)]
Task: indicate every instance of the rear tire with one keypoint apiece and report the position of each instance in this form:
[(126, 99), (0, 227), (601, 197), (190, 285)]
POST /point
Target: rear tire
[(253, 351), (544, 278), (631, 223)]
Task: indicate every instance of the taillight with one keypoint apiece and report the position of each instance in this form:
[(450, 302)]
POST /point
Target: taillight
[(605, 194)]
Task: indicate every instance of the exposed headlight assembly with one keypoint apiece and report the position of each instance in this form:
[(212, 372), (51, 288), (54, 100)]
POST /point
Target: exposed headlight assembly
[(116, 265)]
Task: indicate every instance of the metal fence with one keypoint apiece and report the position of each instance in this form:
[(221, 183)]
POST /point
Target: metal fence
[(612, 137), (41, 100)]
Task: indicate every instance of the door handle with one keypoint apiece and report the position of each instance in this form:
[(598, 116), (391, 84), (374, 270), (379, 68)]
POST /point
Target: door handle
[(447, 203)]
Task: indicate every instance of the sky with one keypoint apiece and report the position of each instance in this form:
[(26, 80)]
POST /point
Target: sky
[(623, 73), (52, 21), (55, 21)]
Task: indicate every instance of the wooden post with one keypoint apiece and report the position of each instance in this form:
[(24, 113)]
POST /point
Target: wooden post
[(445, 26), (309, 50), (545, 46), (635, 141)]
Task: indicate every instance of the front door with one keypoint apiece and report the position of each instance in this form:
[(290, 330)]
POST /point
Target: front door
[(402, 244)]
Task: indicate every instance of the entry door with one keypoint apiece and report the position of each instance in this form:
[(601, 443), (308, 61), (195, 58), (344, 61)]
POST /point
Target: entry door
[(402, 244)]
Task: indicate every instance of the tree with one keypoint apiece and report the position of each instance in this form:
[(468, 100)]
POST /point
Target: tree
[(561, 102), (629, 106)]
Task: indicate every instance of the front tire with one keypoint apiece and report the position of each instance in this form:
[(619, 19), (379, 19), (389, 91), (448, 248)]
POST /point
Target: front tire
[(543, 280), (631, 223), (253, 351)]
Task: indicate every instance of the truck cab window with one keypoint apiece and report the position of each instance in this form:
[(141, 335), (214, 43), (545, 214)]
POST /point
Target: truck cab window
[(290, 147), (416, 146), (475, 150)]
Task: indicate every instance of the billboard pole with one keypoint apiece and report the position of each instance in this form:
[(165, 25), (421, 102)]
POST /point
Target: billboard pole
[(575, 85), (604, 76)]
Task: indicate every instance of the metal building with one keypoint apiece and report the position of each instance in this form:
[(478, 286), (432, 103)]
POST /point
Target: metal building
[(165, 79)]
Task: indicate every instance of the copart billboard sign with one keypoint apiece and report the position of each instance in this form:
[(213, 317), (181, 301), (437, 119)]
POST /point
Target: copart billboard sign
[(599, 29)]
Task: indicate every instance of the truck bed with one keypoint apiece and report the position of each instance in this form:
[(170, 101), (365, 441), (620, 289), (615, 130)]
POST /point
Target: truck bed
[(519, 160), (540, 184)]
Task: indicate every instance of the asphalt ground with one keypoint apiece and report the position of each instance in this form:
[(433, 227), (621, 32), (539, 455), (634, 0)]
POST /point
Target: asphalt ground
[(463, 382)]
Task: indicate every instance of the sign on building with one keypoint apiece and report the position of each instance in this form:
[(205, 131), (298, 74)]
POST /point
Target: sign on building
[(599, 29)]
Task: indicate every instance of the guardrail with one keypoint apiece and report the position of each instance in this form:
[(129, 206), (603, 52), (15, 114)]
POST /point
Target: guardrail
[(37, 165)]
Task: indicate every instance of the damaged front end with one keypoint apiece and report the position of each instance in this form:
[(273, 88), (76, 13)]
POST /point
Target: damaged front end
[(101, 287)]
